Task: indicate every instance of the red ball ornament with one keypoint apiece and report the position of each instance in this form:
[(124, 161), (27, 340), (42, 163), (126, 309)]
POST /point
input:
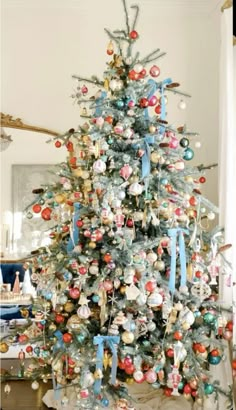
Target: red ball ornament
[(151, 285), (109, 119), (229, 325), (187, 389), (193, 201), (234, 364), (129, 369), (133, 75), (36, 208), (198, 274), (67, 337), (152, 101), (46, 214), (59, 318), (22, 339), (121, 365), (202, 180), (178, 335), (143, 102), (158, 109), (215, 353), (130, 223), (143, 73), (29, 349), (107, 258), (168, 391), (133, 35), (58, 144), (201, 348), (69, 146), (170, 352), (74, 293), (194, 393), (65, 228)]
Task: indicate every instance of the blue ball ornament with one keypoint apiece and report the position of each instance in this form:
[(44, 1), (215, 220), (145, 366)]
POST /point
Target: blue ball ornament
[(209, 318), (163, 181), (48, 295), (188, 154), (105, 402), (49, 194), (214, 359), (80, 338), (197, 313), (181, 385), (208, 388), (95, 298), (120, 104)]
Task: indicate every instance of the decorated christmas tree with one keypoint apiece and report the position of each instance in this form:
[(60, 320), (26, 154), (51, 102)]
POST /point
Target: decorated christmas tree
[(127, 289)]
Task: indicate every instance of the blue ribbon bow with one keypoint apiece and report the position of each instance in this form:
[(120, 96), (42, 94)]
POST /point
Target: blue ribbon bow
[(112, 342), (74, 237), (146, 165), (173, 233)]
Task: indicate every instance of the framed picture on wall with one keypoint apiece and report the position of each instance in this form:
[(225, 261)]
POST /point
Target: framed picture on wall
[(30, 231)]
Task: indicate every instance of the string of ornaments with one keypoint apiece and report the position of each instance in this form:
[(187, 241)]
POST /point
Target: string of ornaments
[(128, 289)]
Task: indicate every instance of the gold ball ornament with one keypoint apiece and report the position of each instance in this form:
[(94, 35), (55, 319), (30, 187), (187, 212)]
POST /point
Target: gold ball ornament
[(122, 289), (92, 245), (155, 157), (152, 129), (59, 198), (129, 380), (4, 347), (68, 307), (78, 172), (185, 326), (52, 327), (127, 337)]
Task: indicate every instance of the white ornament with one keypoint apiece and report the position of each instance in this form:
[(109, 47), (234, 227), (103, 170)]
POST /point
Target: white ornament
[(138, 68), (211, 216), (35, 385), (135, 189), (182, 105), (99, 166), (132, 292), (155, 299), (201, 290)]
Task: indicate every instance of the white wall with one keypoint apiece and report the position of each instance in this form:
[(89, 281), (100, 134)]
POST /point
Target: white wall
[(44, 43)]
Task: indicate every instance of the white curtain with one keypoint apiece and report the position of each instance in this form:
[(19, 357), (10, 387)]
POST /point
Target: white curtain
[(227, 172)]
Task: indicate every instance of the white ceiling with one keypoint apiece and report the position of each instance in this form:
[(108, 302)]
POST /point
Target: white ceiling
[(185, 7)]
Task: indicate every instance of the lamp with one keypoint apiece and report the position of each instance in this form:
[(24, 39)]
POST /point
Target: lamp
[(5, 140)]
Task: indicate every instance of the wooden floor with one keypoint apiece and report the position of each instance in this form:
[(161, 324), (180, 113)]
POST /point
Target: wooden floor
[(22, 397)]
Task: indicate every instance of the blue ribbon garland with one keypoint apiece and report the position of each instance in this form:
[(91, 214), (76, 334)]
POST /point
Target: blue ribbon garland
[(146, 165), (99, 104), (74, 238), (173, 233), (112, 342)]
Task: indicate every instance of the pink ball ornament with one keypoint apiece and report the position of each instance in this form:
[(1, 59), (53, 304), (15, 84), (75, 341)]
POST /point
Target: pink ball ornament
[(118, 129), (107, 285), (174, 143), (152, 101), (154, 71), (84, 89), (151, 376), (126, 171), (99, 121), (84, 394), (179, 211), (131, 104), (128, 361), (227, 335)]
